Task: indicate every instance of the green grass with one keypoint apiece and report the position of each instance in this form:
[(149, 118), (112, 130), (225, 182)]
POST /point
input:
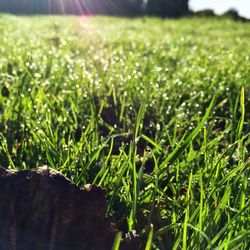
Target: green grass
[(155, 111)]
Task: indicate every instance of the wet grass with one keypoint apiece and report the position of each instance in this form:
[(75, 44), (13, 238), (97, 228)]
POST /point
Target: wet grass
[(156, 112)]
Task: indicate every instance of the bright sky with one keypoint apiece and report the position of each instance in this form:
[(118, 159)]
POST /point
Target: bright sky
[(220, 6)]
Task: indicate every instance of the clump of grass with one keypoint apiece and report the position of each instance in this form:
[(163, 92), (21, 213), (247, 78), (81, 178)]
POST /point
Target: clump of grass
[(130, 105)]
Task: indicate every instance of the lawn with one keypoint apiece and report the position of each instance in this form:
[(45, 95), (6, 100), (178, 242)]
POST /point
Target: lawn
[(155, 111)]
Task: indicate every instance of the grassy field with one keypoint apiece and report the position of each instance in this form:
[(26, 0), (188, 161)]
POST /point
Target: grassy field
[(157, 112)]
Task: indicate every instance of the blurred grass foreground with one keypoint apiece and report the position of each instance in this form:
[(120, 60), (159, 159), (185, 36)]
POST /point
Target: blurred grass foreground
[(155, 111)]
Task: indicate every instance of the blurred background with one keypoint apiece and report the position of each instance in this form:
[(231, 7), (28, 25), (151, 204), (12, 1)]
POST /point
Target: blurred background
[(163, 8)]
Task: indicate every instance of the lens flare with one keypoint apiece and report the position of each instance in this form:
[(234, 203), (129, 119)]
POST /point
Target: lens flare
[(84, 7)]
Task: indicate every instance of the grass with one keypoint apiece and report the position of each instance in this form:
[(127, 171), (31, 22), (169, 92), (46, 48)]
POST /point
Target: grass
[(155, 111)]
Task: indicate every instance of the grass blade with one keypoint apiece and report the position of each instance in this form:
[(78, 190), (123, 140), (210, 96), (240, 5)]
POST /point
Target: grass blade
[(180, 149), (117, 242)]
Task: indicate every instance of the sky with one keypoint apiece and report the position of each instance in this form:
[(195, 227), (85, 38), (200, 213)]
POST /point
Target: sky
[(220, 6)]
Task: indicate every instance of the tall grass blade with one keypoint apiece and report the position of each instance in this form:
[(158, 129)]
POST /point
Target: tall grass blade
[(150, 238), (180, 149), (117, 242)]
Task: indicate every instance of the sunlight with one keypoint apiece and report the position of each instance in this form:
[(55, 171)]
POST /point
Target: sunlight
[(67, 7), (84, 7), (73, 7), (62, 6)]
